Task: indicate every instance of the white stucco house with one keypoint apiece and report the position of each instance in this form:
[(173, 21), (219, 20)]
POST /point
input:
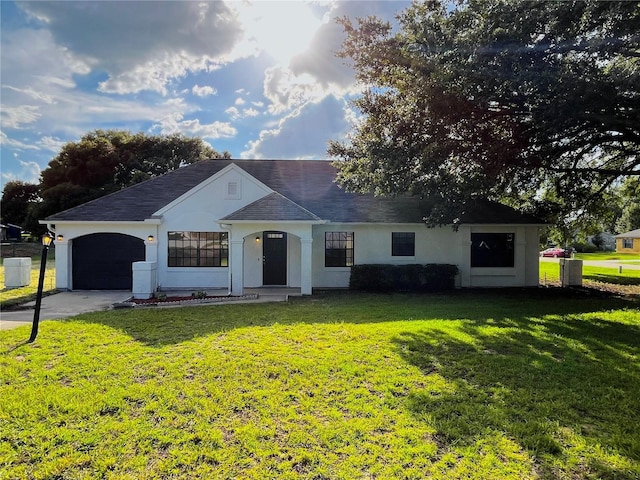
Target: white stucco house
[(236, 224)]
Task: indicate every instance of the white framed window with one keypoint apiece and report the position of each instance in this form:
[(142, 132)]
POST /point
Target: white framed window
[(338, 249), (403, 244)]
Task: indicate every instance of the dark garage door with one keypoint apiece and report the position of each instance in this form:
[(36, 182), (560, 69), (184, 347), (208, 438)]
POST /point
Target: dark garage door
[(102, 261)]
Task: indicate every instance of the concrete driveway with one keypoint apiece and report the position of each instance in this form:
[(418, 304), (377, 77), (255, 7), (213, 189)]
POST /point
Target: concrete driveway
[(63, 305)]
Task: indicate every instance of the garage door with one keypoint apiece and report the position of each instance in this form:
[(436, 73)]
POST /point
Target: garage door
[(102, 261)]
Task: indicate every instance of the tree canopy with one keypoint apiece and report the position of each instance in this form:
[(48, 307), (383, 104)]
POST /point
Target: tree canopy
[(17, 200), (104, 161), (534, 103)]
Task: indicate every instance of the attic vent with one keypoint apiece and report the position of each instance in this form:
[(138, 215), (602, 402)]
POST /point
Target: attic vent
[(233, 189)]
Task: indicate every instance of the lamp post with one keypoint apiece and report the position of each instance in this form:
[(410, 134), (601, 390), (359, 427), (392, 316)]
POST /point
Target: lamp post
[(47, 239)]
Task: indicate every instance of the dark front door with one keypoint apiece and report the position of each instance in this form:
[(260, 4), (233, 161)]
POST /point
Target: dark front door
[(274, 265), (102, 261)]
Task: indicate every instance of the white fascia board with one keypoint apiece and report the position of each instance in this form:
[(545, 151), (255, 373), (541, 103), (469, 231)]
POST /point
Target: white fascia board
[(277, 222), (152, 221), (209, 181), (503, 225)]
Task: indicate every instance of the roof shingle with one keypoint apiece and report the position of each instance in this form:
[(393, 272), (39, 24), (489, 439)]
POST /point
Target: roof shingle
[(306, 188)]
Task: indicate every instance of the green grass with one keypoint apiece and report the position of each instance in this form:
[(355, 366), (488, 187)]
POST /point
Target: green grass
[(17, 296), (623, 257), (486, 385), (551, 272)]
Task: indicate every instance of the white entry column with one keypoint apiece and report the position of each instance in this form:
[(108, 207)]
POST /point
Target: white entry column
[(236, 265), (63, 263), (306, 273)]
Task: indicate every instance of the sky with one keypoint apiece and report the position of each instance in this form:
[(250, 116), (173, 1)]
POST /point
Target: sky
[(259, 79)]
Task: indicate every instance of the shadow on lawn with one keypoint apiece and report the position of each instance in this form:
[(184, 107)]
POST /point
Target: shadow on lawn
[(540, 383), (159, 326), (614, 279)]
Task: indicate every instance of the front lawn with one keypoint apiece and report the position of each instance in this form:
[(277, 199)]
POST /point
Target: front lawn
[(603, 256), (488, 385)]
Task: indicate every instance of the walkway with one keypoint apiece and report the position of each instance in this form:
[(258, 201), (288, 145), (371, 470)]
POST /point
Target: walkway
[(69, 304)]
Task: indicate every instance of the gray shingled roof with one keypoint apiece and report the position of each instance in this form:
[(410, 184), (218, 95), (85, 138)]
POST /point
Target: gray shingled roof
[(631, 234), (307, 184), (273, 207)]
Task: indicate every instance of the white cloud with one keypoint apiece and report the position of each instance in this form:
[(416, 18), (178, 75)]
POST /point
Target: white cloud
[(52, 144), (304, 133), (286, 91), (142, 45), (16, 117), (30, 92), (174, 123), (236, 114), (15, 144), (28, 172), (203, 91)]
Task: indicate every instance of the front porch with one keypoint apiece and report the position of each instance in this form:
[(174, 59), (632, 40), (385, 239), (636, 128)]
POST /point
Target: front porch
[(270, 257)]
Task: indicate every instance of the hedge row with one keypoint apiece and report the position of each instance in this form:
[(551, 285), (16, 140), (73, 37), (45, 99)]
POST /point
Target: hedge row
[(432, 277)]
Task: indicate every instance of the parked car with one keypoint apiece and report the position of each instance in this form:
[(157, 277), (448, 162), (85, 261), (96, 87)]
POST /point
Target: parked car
[(556, 252)]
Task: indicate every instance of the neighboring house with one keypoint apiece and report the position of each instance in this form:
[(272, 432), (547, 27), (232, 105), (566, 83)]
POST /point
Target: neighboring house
[(628, 242), (236, 224), (10, 232)]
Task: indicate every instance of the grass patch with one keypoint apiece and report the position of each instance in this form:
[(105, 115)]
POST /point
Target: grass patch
[(510, 384), (10, 297), (603, 256), (550, 271)]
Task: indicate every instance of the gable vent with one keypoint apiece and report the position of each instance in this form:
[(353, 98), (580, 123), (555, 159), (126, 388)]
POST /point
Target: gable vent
[(233, 189)]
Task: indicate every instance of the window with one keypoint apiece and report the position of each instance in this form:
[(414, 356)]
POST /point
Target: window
[(627, 243), (338, 249), (492, 249), (198, 249), (403, 244)]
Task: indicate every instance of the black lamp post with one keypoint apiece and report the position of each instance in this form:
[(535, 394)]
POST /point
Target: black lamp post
[(47, 239)]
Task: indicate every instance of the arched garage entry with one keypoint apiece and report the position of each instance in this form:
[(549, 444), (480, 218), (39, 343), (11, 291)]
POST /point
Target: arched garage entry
[(102, 261)]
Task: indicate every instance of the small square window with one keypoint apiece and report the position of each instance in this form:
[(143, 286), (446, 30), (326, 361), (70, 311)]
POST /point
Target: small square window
[(403, 244)]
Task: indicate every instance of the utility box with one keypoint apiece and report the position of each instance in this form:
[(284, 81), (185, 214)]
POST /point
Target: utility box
[(144, 279), (570, 272), (17, 272)]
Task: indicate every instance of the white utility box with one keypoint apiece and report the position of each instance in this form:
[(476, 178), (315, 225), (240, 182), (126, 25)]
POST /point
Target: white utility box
[(144, 279), (570, 272), (17, 272)]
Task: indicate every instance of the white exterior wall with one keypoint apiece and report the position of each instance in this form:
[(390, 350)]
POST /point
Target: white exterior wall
[(372, 244), (71, 230), (198, 211)]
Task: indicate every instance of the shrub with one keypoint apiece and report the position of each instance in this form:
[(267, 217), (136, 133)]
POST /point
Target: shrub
[(403, 278), (581, 247)]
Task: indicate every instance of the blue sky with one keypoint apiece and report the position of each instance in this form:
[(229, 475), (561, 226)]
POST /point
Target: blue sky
[(259, 79)]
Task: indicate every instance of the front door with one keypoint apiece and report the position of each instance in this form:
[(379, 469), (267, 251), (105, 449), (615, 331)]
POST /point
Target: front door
[(274, 264)]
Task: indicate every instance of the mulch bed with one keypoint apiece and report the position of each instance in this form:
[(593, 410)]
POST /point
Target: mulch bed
[(188, 299)]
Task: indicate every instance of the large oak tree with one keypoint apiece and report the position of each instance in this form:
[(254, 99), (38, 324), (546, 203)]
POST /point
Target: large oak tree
[(535, 103), (104, 161)]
